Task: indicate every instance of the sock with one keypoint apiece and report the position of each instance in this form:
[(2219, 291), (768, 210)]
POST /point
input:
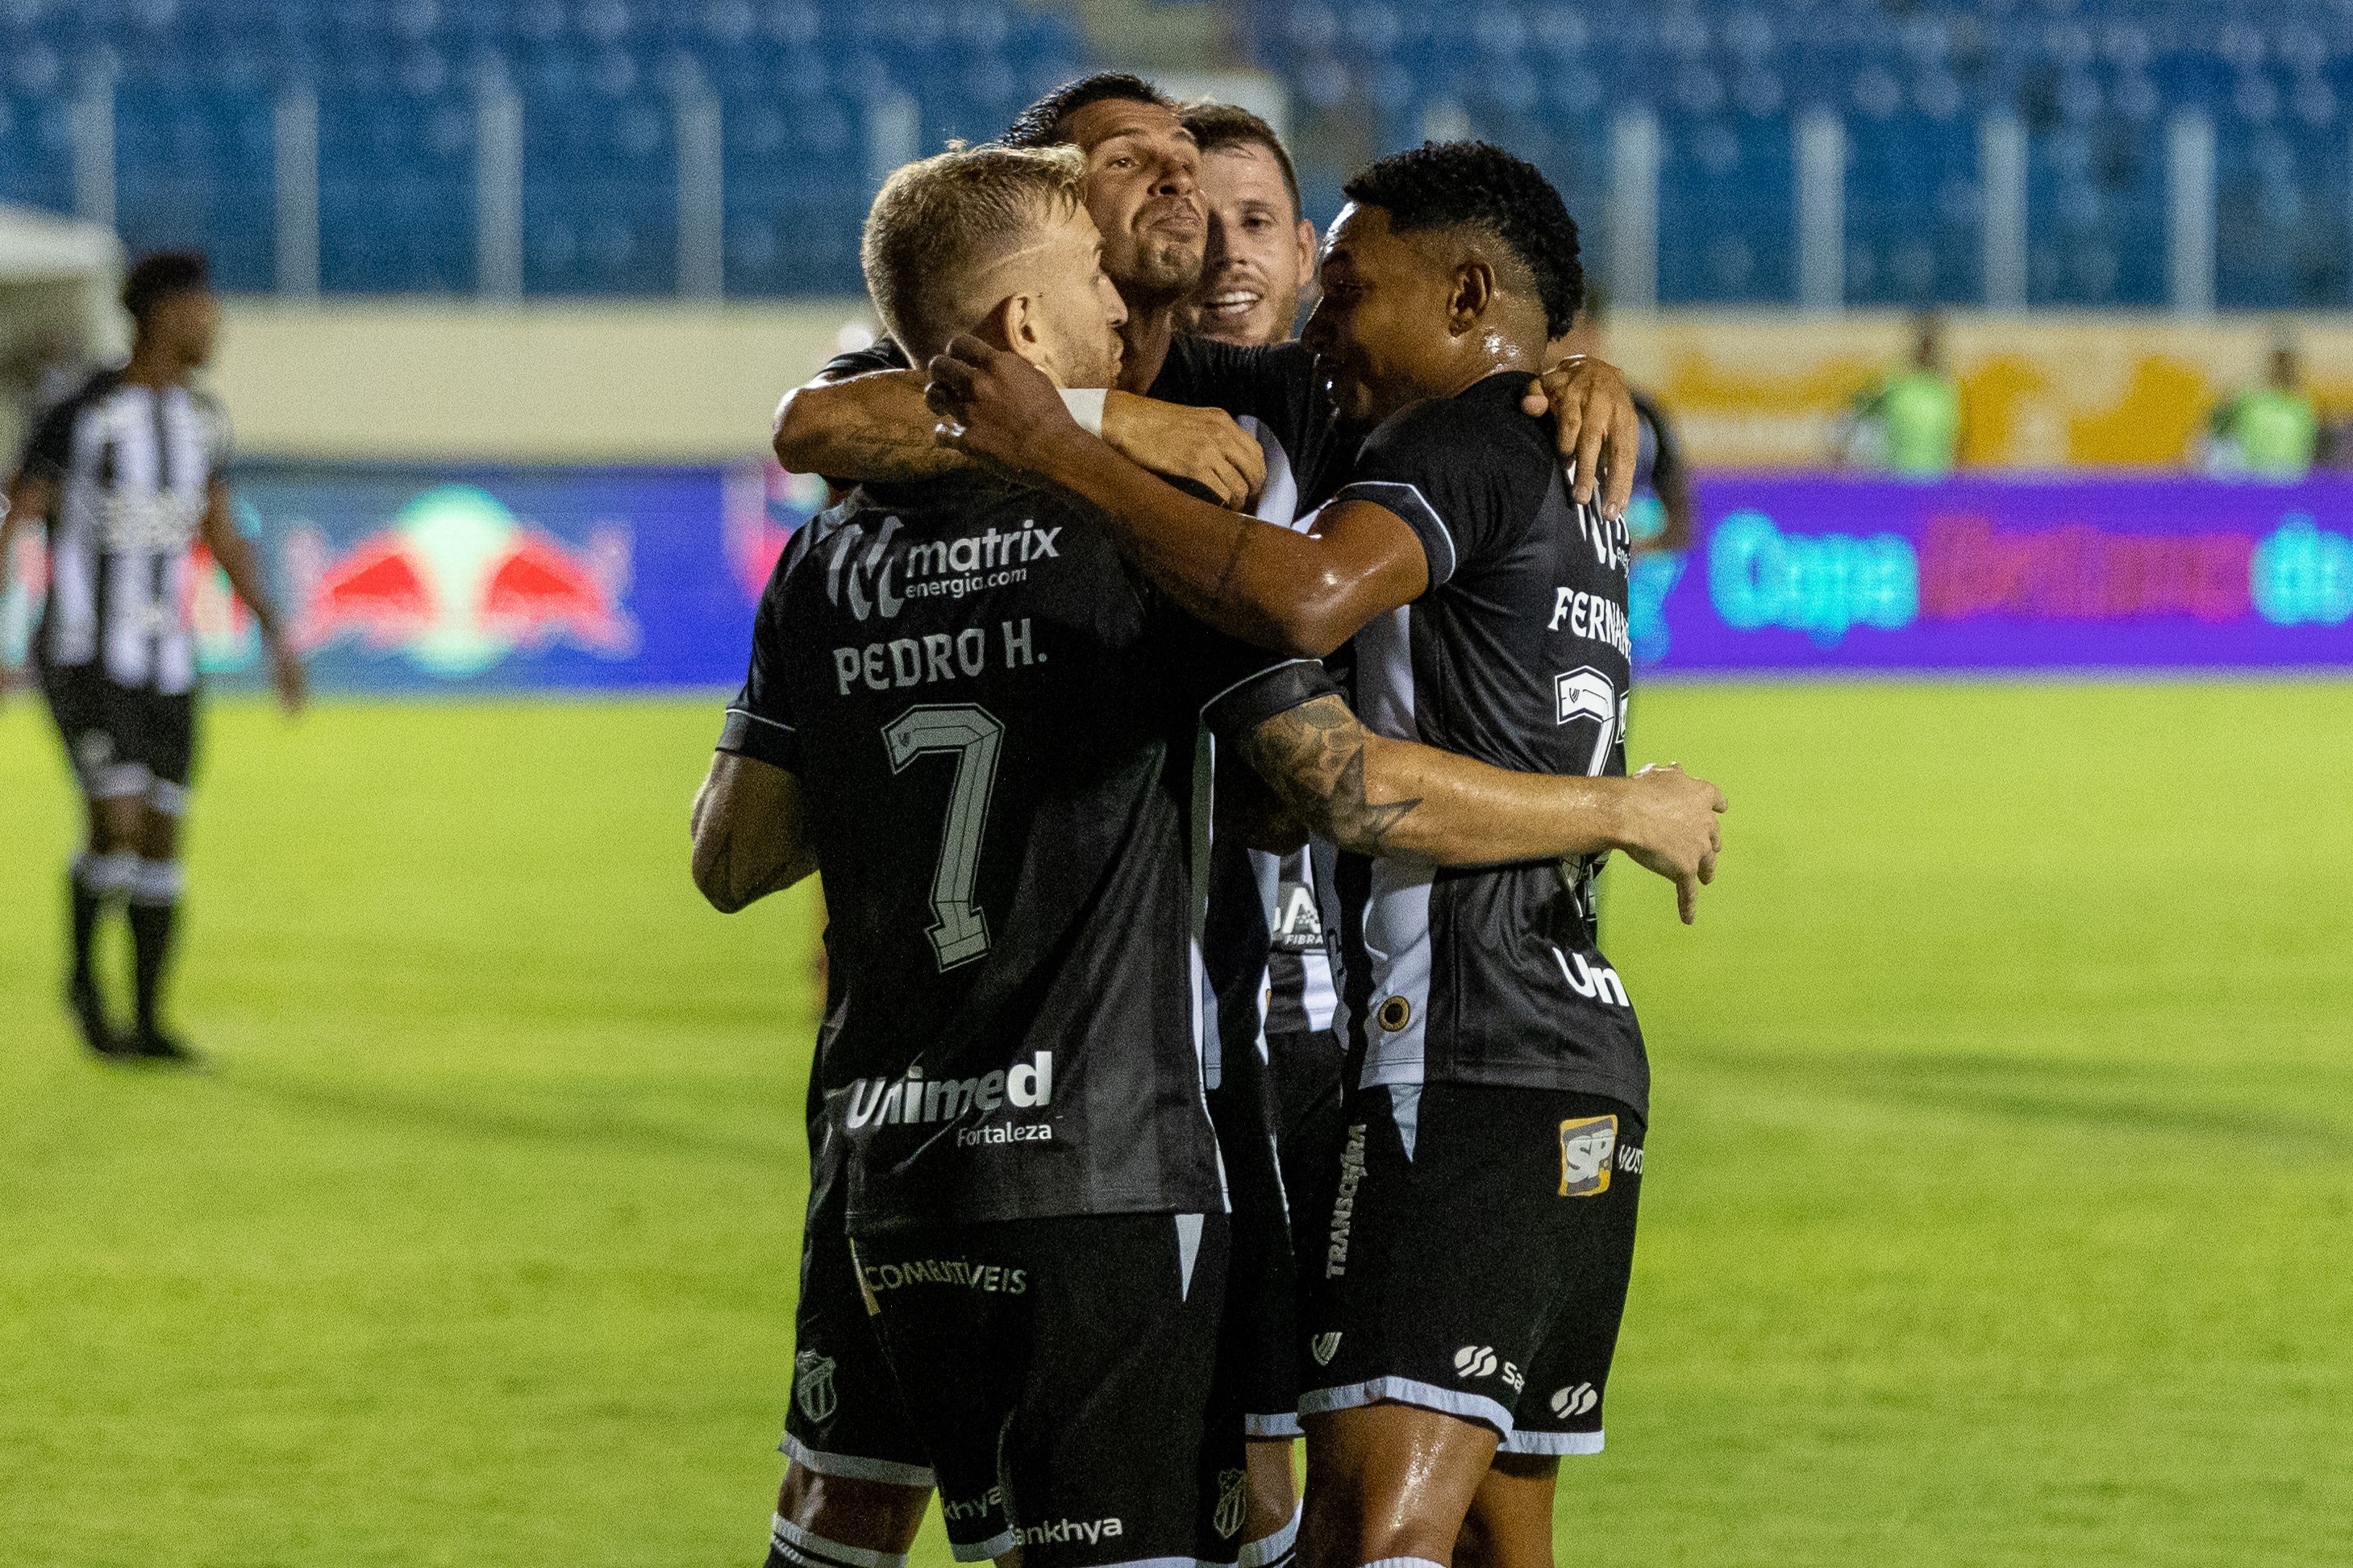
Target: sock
[(790, 1546), (154, 908), (97, 881)]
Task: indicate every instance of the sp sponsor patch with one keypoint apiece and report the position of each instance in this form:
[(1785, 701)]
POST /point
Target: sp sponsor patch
[(1587, 1145)]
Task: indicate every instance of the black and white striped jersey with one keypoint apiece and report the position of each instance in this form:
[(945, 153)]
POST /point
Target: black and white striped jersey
[(133, 466), (1516, 654)]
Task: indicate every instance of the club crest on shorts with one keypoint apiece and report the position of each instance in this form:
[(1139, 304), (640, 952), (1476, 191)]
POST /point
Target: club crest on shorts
[(813, 1386), (1233, 1501), (1586, 1145), (1324, 1347)]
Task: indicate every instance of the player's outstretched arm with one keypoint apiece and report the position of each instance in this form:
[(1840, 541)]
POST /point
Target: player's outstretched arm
[(878, 426), (750, 831), (1301, 594), (1379, 796), (234, 552)]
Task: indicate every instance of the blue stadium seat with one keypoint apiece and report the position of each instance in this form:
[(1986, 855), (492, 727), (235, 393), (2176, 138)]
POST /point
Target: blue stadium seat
[(396, 191), (36, 151), (600, 180), (195, 168)]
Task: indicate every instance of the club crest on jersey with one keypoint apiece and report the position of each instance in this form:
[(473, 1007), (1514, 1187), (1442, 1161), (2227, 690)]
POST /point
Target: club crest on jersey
[(813, 1386), (1585, 1145), (1324, 1347)]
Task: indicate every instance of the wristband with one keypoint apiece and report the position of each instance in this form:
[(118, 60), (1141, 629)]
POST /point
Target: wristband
[(1086, 406)]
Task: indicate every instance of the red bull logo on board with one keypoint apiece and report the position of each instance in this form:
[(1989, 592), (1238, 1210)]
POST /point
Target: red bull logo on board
[(457, 584)]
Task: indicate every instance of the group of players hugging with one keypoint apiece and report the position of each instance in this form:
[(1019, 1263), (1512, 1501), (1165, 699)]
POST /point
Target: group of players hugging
[(1208, 742)]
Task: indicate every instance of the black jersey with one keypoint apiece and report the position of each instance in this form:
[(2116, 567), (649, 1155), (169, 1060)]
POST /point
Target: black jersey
[(1516, 655), (996, 729), (1268, 964), (133, 466)]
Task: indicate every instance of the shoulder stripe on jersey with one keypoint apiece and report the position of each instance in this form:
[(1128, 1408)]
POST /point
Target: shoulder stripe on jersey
[(1254, 675), (758, 719), (1407, 501)]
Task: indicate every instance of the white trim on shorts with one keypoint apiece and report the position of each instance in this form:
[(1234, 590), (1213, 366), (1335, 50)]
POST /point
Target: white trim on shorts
[(996, 1546), (1271, 1548), (1559, 1443), (121, 781), (800, 1543), (1282, 1424), (1407, 1390), (851, 1468)]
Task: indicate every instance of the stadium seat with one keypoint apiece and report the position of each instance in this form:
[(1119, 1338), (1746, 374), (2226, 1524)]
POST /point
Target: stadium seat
[(2096, 83)]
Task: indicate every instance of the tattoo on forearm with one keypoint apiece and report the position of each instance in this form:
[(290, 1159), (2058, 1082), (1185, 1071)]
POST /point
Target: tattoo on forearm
[(1314, 756)]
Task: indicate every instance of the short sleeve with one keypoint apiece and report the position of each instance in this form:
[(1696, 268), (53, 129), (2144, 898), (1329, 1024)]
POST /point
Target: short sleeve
[(1234, 685), (50, 450), (884, 354), (760, 722), (1455, 475)]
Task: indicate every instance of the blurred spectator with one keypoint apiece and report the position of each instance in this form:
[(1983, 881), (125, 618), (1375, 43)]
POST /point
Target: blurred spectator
[(1659, 522), (2269, 431), (1661, 518), (1909, 421)]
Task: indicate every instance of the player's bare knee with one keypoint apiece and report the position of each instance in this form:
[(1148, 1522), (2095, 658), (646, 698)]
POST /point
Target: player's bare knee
[(873, 1516), (159, 835), (1273, 1487), (119, 821)]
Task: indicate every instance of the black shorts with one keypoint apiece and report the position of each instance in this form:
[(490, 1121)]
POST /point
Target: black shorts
[(122, 741), (1309, 1068), (845, 1418), (1058, 1372), (1481, 1271)]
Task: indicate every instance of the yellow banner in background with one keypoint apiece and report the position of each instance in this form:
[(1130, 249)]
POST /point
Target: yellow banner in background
[(1770, 390)]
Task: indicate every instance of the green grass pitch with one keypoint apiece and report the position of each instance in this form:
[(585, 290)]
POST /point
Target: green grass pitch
[(2000, 1192)]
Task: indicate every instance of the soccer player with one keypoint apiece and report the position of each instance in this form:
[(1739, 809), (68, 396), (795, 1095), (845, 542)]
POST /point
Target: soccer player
[(1479, 1250), (1282, 1055), (865, 418), (966, 713), (1261, 248), (127, 475)]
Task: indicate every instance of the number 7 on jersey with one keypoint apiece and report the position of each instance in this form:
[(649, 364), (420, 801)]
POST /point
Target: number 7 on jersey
[(961, 933)]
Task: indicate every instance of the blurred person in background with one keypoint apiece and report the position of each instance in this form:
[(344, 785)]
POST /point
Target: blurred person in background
[(1262, 251), (127, 474), (2269, 431), (1659, 520), (1909, 421)]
